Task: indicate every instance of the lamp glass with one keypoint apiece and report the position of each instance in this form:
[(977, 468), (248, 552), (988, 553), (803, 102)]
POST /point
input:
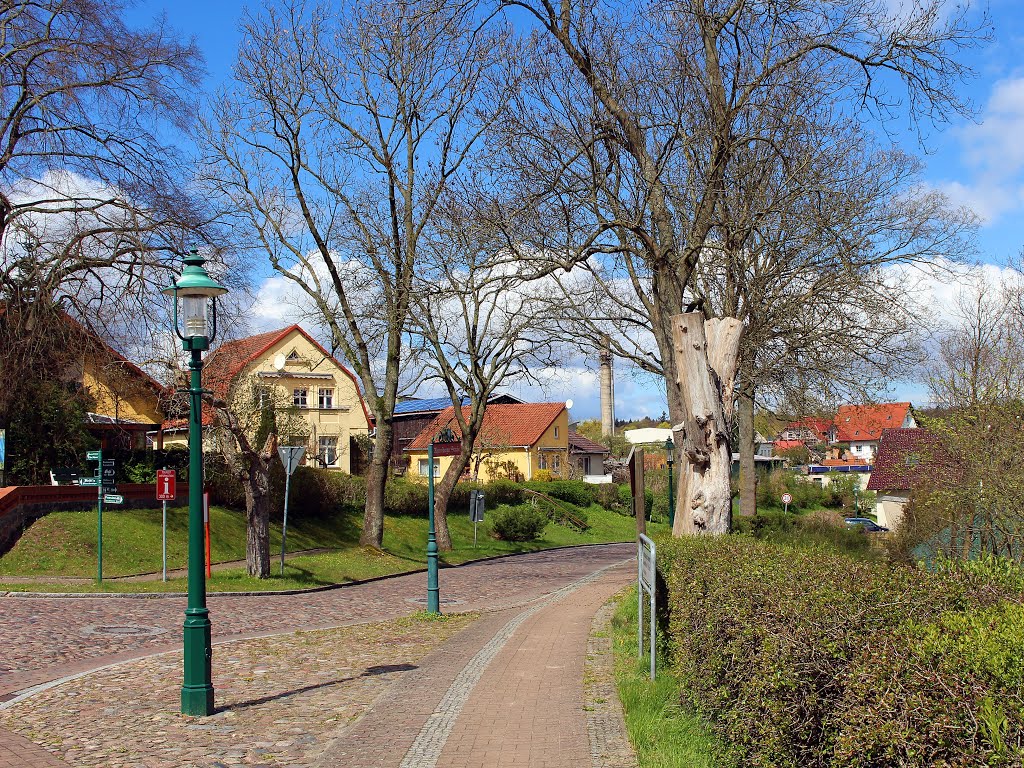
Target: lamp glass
[(195, 308)]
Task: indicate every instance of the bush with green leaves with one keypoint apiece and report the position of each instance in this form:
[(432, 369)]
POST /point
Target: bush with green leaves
[(574, 491), (502, 491), (801, 657), (523, 522)]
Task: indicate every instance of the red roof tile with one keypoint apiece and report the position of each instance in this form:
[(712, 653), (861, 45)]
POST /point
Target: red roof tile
[(513, 424), (785, 445), (855, 423), (819, 427), (905, 458), (585, 444)]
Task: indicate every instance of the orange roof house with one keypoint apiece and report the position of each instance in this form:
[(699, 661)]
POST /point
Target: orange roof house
[(860, 426), (515, 440), (289, 371)]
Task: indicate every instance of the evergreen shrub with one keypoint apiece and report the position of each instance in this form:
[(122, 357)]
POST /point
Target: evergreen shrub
[(523, 522)]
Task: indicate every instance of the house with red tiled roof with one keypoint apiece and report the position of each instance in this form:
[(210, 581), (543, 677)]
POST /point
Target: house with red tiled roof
[(859, 427), (906, 457), (809, 431), (315, 399), (515, 440), (586, 455)]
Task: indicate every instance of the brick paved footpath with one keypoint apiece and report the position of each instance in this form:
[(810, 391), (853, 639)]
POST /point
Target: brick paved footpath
[(49, 638)]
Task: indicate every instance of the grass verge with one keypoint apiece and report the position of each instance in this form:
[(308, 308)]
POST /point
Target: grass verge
[(63, 544), (663, 732)]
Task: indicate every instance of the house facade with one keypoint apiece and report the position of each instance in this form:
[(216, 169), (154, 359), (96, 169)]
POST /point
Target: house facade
[(586, 455), (905, 457), (315, 399), (859, 427), (809, 431), (516, 440)]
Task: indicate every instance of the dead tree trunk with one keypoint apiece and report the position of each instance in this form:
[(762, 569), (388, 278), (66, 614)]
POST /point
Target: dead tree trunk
[(748, 467), (706, 355)]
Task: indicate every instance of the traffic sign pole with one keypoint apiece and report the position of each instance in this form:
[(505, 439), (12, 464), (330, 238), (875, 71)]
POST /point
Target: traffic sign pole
[(165, 534), (165, 491)]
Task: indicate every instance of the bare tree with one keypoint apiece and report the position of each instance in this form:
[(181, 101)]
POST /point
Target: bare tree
[(627, 137), (479, 315), (347, 124)]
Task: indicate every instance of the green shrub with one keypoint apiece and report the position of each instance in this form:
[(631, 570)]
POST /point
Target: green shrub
[(784, 648), (319, 492), (607, 495), (406, 497), (501, 491), (523, 522), (574, 491)]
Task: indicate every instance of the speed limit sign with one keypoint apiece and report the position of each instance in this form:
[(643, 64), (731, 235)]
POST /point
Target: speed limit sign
[(787, 498)]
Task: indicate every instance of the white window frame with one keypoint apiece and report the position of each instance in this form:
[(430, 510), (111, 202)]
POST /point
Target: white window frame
[(542, 460), (325, 398), (327, 446), (300, 397), (423, 468)]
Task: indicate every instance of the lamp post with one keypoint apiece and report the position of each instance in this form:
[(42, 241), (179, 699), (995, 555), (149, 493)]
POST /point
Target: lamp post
[(670, 458), (433, 590), (197, 327)]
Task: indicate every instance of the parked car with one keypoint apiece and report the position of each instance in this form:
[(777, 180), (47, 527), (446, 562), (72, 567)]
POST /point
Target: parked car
[(866, 523)]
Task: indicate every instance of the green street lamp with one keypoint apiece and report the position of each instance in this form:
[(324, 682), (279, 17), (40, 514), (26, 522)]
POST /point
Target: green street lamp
[(196, 325), (433, 590), (670, 458)]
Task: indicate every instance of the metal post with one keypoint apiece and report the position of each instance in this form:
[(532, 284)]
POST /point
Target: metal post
[(197, 691), (99, 523), (670, 450), (284, 523), (640, 598), (433, 592), (165, 534)]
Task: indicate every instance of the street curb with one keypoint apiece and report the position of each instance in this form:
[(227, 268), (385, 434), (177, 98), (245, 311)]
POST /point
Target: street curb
[(270, 593)]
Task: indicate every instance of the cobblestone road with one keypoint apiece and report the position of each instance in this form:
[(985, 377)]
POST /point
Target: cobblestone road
[(48, 638)]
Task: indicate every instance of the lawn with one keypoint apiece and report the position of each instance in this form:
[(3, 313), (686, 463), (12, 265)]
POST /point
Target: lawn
[(63, 544)]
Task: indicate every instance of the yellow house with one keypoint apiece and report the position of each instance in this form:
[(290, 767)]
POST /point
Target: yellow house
[(516, 441), (316, 399)]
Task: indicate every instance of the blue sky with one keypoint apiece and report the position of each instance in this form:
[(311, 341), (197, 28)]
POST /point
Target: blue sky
[(979, 163)]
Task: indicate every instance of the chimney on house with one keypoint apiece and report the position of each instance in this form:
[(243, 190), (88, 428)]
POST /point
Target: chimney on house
[(607, 388)]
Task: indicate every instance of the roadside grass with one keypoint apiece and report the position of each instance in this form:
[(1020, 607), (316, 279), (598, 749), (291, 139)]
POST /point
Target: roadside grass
[(63, 544), (664, 733)]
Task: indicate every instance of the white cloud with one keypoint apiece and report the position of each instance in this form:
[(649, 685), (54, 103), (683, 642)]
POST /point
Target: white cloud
[(994, 155)]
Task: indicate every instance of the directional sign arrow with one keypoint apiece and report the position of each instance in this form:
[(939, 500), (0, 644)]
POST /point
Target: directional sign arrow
[(113, 498), (88, 481)]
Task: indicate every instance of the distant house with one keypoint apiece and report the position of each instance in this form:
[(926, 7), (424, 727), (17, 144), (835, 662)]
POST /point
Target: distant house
[(288, 370), (820, 472), (780, 446), (905, 457), (586, 455), (413, 414), (516, 439), (859, 427), (809, 431)]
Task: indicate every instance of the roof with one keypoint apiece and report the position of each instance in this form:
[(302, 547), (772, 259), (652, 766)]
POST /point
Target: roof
[(905, 457), (512, 424), (786, 445), (583, 444), (819, 427), (117, 357), (224, 364), (438, 404), (856, 423)]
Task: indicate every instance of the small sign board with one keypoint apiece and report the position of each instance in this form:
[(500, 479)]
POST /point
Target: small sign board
[(165, 485), (476, 506), (113, 498), (291, 456), (93, 455), (787, 498), (108, 473), (88, 481)]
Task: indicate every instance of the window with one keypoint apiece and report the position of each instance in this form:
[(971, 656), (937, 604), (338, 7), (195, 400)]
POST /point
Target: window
[(326, 399), (299, 397), (556, 431), (423, 468), (556, 463), (263, 397), (328, 452), (542, 461)]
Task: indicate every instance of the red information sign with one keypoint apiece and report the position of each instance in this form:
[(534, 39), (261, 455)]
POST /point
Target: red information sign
[(165, 485)]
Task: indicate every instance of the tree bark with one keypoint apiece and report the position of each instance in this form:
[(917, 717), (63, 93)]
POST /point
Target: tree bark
[(748, 467), (706, 354), (443, 492), (372, 534), (257, 527)]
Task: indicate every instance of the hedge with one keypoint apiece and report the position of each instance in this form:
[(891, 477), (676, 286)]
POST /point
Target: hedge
[(805, 658)]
